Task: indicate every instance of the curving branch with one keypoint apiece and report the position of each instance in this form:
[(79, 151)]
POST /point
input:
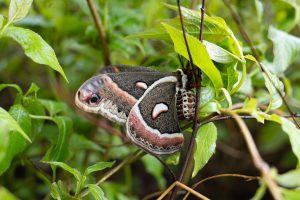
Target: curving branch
[(101, 31)]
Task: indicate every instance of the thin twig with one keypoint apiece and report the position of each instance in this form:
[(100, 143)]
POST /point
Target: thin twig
[(248, 178), (183, 186), (188, 162), (259, 163), (246, 37), (137, 154), (101, 31)]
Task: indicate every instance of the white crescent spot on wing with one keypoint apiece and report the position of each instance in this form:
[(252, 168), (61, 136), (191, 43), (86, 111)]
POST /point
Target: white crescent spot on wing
[(141, 85), (158, 109)]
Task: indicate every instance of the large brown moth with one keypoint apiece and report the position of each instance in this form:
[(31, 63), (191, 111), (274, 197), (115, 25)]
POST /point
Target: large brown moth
[(146, 101)]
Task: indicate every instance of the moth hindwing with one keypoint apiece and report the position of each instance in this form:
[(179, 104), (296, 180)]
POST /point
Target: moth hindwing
[(152, 123)]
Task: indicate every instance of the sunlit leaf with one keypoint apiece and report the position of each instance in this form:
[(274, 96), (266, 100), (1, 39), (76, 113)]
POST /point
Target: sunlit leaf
[(173, 159), (98, 167), (291, 194), (290, 179), (97, 192), (271, 81), (6, 195), (259, 9), (219, 54), (1, 21), (205, 146), (18, 9), (196, 48), (286, 47), (35, 47), (227, 97)]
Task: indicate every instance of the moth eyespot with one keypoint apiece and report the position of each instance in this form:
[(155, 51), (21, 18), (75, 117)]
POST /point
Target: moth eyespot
[(95, 99)]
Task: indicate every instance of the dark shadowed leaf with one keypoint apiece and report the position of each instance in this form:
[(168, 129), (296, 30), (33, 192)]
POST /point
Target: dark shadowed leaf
[(15, 86), (79, 141)]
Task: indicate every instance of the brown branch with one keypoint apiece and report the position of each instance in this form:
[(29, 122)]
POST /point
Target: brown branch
[(246, 37), (101, 32), (249, 178), (259, 163), (188, 162)]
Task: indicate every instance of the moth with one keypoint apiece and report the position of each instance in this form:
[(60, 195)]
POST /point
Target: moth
[(146, 101)]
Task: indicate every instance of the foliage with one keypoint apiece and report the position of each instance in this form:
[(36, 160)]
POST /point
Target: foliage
[(42, 130)]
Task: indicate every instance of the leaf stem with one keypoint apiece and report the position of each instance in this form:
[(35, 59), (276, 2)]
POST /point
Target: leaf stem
[(101, 32)]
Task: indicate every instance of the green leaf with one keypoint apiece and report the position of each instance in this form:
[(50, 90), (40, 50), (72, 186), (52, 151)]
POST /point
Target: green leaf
[(98, 167), (218, 54), (260, 192), (12, 123), (35, 47), (6, 195), (97, 192), (289, 179), (53, 107), (275, 98), (155, 168), (32, 89), (79, 141), (259, 9), (215, 27), (205, 146), (59, 150), (59, 191), (291, 194), (286, 47), (15, 86), (196, 48), (18, 9), (227, 97), (173, 159), (294, 135), (67, 168), (1, 21)]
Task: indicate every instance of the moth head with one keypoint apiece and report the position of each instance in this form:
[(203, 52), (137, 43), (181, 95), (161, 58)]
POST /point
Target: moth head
[(88, 96)]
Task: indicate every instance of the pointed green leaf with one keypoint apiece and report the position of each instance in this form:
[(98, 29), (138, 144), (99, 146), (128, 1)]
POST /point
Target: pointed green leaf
[(294, 135), (53, 107), (205, 146), (32, 89), (98, 167), (286, 47), (18, 9), (16, 120), (97, 192), (59, 150), (66, 167), (290, 179), (13, 125), (35, 47), (196, 48), (275, 99)]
